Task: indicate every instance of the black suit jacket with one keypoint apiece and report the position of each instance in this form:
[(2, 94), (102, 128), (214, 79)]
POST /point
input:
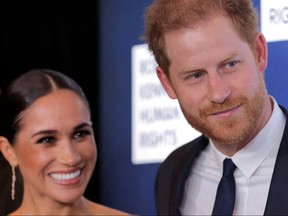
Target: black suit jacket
[(173, 172)]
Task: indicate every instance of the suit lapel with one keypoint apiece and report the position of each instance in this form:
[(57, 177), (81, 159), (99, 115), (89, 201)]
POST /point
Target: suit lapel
[(277, 202)]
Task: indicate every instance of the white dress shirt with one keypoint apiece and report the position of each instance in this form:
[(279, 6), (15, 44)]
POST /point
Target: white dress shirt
[(255, 164)]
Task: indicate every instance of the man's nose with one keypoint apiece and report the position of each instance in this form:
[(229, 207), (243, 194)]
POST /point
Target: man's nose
[(218, 88)]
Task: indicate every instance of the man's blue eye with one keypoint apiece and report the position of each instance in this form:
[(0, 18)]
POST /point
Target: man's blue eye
[(197, 75), (232, 63)]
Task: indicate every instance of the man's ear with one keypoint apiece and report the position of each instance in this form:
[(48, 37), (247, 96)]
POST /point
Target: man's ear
[(8, 151), (166, 83), (261, 52)]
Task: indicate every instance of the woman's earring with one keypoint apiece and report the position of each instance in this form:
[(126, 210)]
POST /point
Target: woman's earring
[(13, 183)]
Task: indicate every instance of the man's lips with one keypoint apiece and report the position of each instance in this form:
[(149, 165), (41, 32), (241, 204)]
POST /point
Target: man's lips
[(225, 112)]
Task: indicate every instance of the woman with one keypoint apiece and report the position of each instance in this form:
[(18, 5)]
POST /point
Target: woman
[(46, 132)]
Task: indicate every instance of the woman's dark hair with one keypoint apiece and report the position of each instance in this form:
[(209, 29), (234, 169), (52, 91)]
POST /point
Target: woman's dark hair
[(24, 90)]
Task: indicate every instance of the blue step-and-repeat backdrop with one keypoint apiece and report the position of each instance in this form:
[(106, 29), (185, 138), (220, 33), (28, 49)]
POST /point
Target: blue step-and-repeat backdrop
[(139, 124)]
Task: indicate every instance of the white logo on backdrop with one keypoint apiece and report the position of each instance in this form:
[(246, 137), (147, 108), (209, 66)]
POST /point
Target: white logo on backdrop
[(274, 20)]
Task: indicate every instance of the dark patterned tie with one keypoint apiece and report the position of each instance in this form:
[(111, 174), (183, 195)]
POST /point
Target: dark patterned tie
[(225, 197)]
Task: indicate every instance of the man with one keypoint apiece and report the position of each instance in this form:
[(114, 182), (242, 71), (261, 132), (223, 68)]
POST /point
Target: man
[(212, 59)]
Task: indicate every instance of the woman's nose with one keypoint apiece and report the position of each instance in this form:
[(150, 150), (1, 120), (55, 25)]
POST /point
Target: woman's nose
[(69, 154)]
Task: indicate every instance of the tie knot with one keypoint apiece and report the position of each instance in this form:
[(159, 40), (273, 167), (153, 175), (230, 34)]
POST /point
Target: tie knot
[(228, 167)]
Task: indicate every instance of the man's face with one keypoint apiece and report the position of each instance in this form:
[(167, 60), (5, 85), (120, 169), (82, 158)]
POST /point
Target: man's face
[(218, 80)]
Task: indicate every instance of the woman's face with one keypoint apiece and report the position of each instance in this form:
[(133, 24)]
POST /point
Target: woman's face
[(55, 148)]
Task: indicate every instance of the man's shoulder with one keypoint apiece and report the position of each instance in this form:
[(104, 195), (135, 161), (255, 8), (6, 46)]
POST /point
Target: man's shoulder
[(284, 109), (191, 147), (183, 154)]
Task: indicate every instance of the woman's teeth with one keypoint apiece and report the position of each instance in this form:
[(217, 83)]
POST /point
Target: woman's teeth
[(66, 176)]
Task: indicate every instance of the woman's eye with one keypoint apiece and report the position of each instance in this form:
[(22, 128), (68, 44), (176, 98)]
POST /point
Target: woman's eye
[(81, 134), (46, 140)]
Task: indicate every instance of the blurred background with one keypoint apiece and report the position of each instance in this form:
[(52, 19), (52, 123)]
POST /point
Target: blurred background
[(91, 41)]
